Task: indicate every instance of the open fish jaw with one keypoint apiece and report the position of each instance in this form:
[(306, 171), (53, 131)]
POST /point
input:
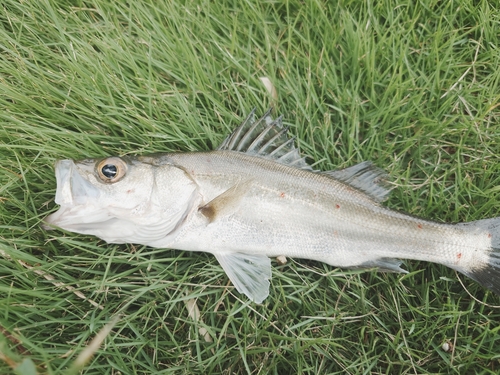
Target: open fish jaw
[(76, 196)]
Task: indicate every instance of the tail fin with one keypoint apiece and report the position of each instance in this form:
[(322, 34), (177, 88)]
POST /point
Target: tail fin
[(486, 268)]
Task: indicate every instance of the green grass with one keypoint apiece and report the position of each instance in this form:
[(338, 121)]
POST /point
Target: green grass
[(412, 85)]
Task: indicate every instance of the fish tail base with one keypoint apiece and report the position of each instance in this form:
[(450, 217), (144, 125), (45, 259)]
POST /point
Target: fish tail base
[(486, 270)]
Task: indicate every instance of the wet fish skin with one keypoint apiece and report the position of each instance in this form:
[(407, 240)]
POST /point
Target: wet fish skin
[(256, 198)]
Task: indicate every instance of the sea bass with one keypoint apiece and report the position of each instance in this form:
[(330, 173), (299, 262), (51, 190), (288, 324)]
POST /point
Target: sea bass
[(255, 197)]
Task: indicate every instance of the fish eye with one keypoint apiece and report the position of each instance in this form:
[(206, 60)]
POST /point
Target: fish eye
[(111, 170)]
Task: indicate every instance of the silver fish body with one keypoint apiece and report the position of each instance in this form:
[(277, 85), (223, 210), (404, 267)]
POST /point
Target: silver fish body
[(256, 198)]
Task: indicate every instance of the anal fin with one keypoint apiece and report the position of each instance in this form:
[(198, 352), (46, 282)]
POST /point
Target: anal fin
[(250, 274), (384, 265)]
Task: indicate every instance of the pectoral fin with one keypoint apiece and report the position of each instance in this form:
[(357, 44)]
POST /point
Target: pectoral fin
[(226, 203), (250, 274)]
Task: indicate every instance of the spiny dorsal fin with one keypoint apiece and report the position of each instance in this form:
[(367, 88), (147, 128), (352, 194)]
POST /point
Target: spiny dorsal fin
[(365, 177), (266, 138)]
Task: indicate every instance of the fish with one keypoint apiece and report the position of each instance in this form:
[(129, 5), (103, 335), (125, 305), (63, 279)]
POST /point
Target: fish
[(255, 198)]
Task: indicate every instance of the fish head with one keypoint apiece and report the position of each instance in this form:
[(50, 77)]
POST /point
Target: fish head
[(122, 199)]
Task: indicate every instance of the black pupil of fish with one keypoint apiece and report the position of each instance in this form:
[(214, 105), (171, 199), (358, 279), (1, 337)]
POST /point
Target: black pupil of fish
[(109, 171)]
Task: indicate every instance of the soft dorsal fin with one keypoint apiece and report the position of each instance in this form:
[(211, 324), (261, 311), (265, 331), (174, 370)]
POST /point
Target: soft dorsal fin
[(267, 138), (365, 177)]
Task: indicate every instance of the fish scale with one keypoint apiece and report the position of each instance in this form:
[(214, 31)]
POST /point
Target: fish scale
[(356, 220), (255, 197)]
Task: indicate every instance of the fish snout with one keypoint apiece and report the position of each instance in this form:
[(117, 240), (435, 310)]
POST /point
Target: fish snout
[(72, 190)]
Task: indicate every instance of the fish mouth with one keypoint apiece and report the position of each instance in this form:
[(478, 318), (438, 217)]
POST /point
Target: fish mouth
[(76, 196)]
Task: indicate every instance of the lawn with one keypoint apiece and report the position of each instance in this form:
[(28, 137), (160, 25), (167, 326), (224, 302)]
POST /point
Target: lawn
[(412, 85)]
